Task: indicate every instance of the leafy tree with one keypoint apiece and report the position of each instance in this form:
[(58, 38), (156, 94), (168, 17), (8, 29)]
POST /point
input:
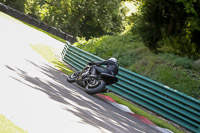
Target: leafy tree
[(87, 18), (56, 13), (192, 23), (93, 18), (32, 8), (148, 22), (178, 20)]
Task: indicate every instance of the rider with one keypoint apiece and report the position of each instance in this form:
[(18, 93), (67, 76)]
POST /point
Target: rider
[(111, 67)]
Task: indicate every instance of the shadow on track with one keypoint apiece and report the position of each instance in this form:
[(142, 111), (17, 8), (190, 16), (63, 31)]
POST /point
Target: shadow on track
[(90, 109)]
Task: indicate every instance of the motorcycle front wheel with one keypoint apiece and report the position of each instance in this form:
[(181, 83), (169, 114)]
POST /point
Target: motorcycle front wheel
[(97, 88), (72, 78)]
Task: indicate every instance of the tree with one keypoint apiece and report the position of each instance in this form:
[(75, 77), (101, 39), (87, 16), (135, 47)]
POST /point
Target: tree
[(87, 18), (192, 28), (93, 18), (149, 21), (178, 20)]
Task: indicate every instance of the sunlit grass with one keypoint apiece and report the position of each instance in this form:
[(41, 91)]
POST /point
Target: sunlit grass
[(6, 126), (48, 53)]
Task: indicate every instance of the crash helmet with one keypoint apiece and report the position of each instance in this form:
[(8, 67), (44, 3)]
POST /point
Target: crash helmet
[(113, 59)]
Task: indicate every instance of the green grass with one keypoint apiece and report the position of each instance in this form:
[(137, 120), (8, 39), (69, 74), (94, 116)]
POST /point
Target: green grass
[(120, 47), (139, 111), (6, 126), (49, 54)]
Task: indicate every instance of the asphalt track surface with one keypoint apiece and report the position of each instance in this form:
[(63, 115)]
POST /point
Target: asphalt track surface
[(36, 97)]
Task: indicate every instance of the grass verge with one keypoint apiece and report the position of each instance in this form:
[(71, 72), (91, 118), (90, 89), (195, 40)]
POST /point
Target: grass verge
[(157, 121), (48, 53), (6, 126)]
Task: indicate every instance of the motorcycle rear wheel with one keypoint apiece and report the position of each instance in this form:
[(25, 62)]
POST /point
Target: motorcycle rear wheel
[(72, 78), (97, 89)]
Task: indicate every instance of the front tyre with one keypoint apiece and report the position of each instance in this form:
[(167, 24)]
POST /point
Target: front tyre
[(72, 78), (90, 89)]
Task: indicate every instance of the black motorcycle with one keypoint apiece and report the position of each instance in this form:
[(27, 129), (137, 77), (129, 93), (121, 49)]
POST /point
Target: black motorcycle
[(92, 84)]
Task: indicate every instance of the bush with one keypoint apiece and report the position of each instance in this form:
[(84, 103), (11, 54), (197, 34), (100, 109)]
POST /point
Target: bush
[(179, 45), (184, 62), (121, 47), (176, 60)]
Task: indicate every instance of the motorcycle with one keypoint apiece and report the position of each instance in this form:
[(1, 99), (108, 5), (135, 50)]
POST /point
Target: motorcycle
[(92, 84)]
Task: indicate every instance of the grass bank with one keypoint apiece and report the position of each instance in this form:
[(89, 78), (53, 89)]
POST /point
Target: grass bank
[(167, 68), (48, 53), (6, 126)]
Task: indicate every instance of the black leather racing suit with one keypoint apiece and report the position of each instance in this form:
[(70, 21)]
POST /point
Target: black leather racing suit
[(111, 67)]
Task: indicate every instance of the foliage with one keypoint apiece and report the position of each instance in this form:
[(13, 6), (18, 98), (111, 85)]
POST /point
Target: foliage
[(148, 23), (87, 18), (178, 20), (112, 46), (167, 68), (96, 15), (16, 4)]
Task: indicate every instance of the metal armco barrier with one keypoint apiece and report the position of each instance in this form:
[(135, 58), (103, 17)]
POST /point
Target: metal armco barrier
[(167, 102)]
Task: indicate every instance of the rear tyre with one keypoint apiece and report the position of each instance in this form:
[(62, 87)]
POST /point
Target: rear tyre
[(72, 78), (100, 87)]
